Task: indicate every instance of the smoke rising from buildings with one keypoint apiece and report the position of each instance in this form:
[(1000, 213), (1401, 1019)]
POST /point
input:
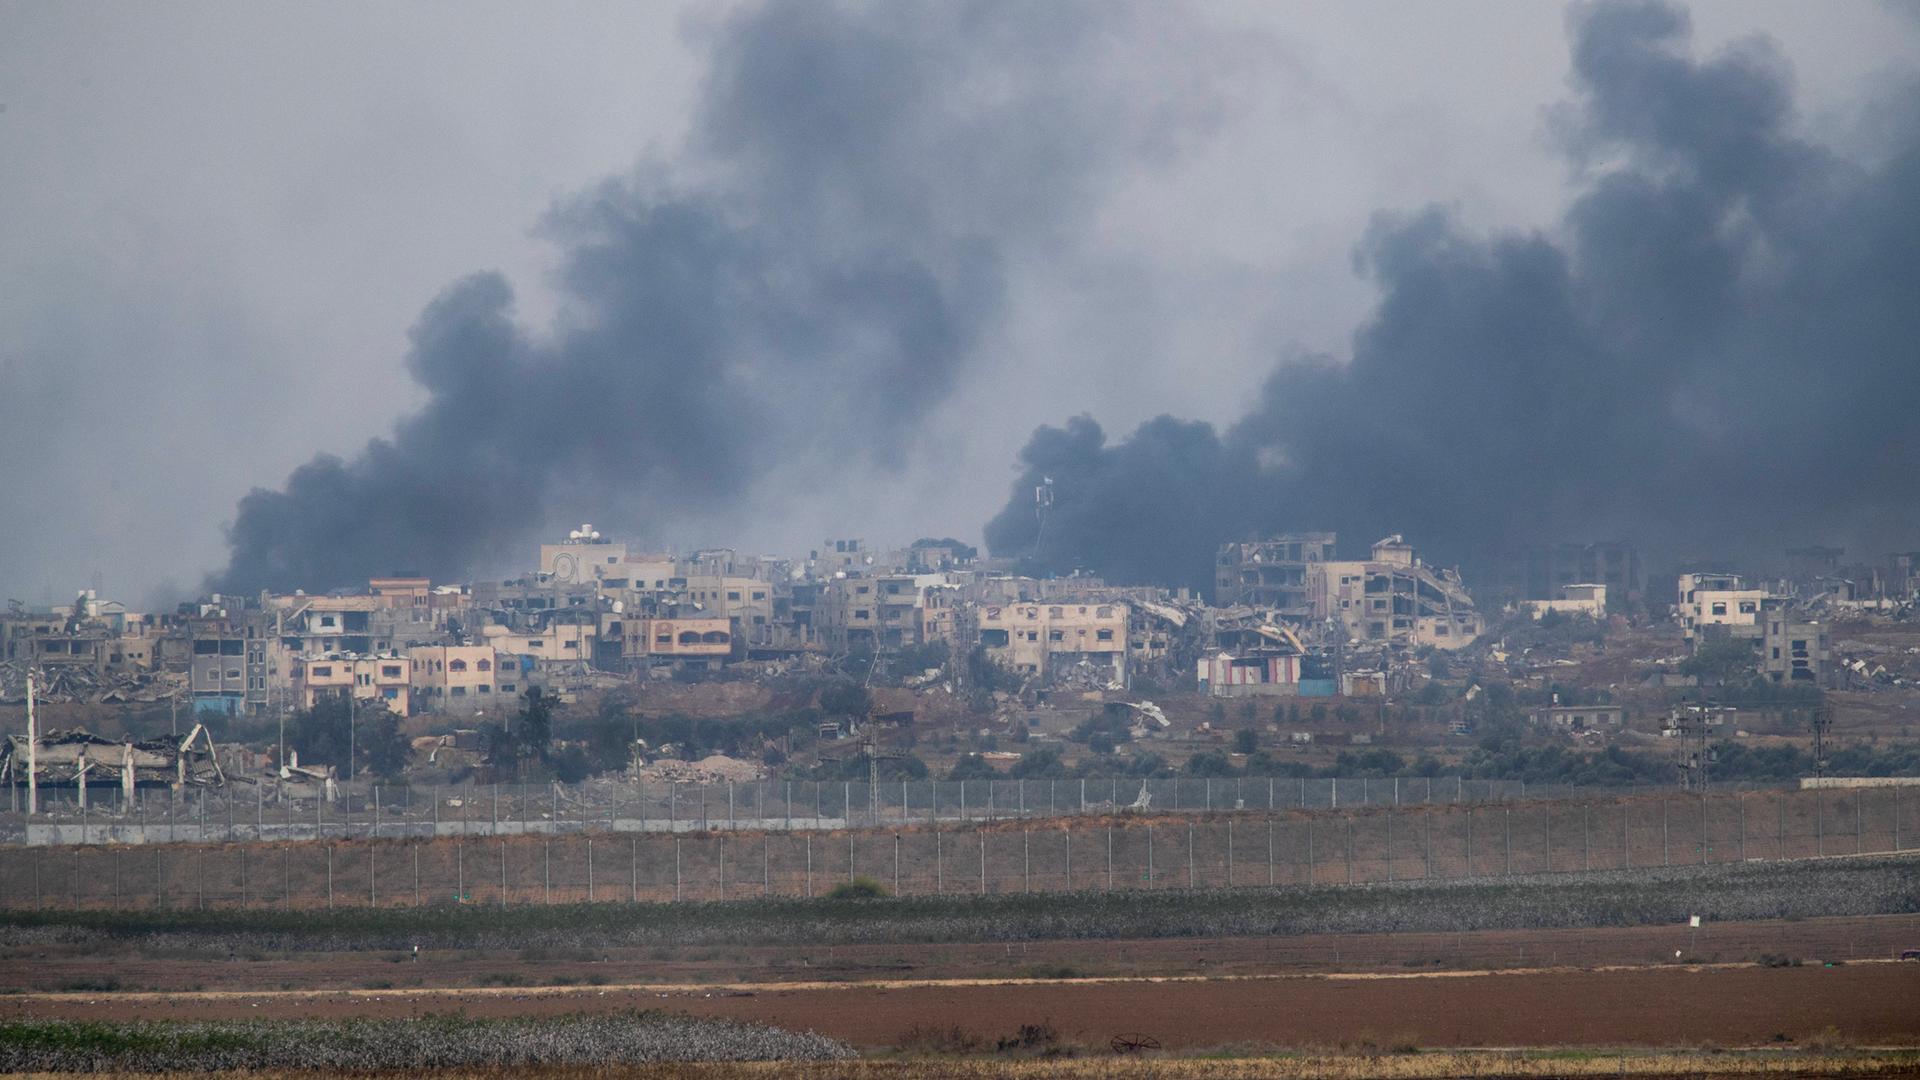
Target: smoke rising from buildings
[(804, 283), (1716, 343)]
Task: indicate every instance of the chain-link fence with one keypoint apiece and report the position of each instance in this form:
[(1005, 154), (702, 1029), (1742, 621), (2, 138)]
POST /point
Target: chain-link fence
[(267, 811), (1282, 847)]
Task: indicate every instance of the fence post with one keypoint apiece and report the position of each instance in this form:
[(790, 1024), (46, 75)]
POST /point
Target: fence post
[(983, 852), (546, 870), (1469, 841), (1269, 851), (766, 864), (1547, 831), (939, 861), (416, 873), (1109, 858), (1149, 856), (1310, 867), (329, 876), (1586, 836), (720, 852), (633, 865), (896, 864), (1426, 826), (1229, 853), (503, 863), (459, 872), (850, 859), (676, 867), (1666, 858), (1190, 881), (1704, 837), (1349, 847), (1741, 802), (373, 898), (1389, 845), (589, 869), (1506, 829), (1857, 793), (1068, 834), (1026, 854), (808, 840)]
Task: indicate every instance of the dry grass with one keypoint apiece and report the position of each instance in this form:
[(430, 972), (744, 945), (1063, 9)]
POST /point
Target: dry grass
[(1401, 1066)]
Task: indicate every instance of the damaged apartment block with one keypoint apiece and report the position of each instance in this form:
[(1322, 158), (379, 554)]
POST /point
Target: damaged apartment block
[(1395, 598)]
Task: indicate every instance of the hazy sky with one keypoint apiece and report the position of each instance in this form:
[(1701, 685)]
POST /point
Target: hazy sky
[(219, 221)]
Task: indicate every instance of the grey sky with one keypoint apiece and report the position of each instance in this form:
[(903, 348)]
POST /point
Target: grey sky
[(218, 222)]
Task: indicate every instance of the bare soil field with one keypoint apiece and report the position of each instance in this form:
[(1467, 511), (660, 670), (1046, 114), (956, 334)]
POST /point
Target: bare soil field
[(56, 966), (1866, 1004)]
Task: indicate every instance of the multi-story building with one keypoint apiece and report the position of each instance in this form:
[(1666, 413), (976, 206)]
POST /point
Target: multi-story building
[(454, 676), (387, 679), (1721, 600), (888, 611), (693, 641), (237, 662), (747, 601), (1048, 640), (1540, 571), (1271, 574), (1396, 598), (582, 558), (1584, 599), (1795, 651)]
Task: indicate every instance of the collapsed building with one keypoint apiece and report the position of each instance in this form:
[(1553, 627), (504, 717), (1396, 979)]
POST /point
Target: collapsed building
[(1394, 598), (79, 760)]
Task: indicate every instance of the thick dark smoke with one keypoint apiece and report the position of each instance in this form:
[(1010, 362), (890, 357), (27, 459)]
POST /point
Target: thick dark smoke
[(806, 283), (1717, 350)]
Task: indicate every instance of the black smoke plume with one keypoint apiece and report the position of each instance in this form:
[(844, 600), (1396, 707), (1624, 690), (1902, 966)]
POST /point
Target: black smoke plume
[(806, 281), (1717, 350)]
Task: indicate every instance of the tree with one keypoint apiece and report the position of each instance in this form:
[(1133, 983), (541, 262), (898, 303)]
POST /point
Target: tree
[(378, 744), (1721, 660), (845, 697), (1246, 741), (533, 724), (1209, 763), (972, 767), (323, 734)]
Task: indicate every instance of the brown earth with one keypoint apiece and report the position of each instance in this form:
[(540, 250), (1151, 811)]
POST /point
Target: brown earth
[(1864, 1004), (54, 967)]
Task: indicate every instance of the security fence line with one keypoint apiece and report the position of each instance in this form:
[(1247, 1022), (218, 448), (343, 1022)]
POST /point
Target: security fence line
[(266, 811), (1251, 849)]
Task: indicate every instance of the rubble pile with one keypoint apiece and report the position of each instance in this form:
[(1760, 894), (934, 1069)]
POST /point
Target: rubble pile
[(78, 684), (713, 769)]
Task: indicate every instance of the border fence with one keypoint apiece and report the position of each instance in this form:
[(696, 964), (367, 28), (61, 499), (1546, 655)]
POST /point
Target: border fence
[(268, 811), (1259, 848)]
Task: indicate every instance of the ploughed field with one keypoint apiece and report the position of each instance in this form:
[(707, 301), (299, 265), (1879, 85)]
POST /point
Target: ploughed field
[(1790, 955)]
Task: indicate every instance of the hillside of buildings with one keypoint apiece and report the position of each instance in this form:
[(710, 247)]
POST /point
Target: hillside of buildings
[(1559, 665)]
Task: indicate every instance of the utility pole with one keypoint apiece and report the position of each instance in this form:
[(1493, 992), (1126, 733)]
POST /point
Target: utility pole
[(33, 753), (1694, 725), (1821, 720)]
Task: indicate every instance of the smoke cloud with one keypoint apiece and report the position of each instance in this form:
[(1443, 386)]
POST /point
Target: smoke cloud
[(803, 284), (1714, 351)]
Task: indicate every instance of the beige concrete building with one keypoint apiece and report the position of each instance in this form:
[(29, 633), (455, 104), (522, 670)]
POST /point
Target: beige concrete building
[(1049, 639), (1588, 600), (1394, 597), (704, 641), (387, 679), (888, 611), (454, 676)]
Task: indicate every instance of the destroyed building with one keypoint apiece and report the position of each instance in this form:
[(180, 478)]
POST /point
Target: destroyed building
[(1394, 598), (1272, 573), (1056, 642)]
